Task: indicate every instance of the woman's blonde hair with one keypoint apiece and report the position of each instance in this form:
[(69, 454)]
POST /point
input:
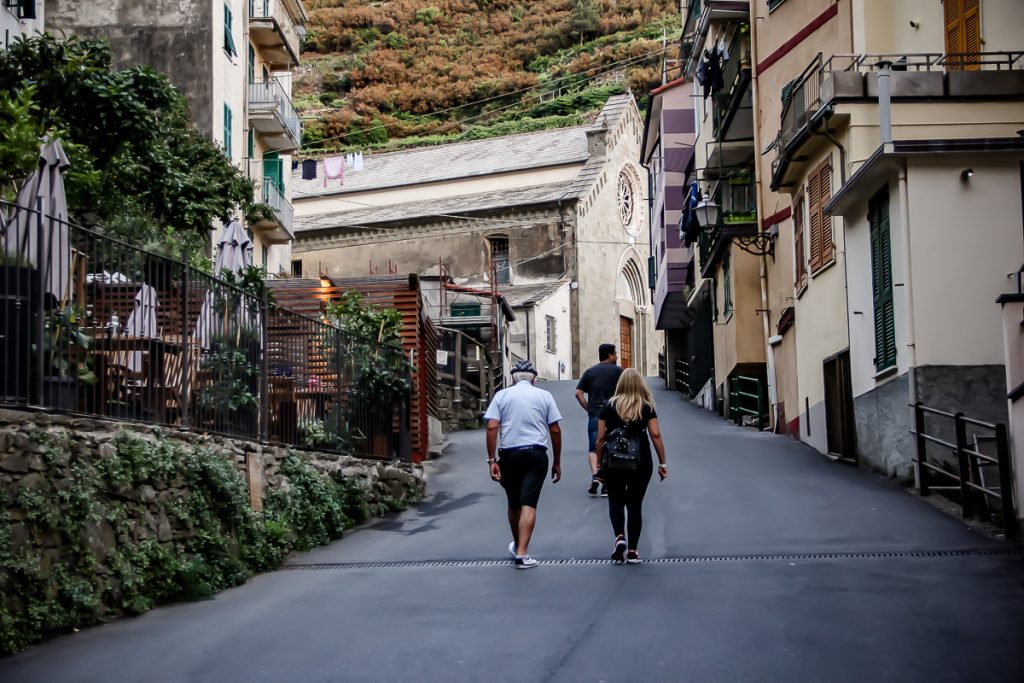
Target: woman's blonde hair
[(631, 395)]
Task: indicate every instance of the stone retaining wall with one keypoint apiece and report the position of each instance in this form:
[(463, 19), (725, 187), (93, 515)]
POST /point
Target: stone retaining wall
[(458, 413)]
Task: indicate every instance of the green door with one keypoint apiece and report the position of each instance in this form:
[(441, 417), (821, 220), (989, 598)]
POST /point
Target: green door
[(272, 169)]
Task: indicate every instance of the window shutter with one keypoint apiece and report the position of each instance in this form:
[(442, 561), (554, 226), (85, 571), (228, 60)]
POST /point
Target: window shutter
[(881, 282), (814, 214), (825, 188), (227, 131), (799, 252), (26, 9), (971, 32), (229, 39)]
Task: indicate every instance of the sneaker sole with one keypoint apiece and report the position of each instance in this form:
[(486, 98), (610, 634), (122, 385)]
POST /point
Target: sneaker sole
[(619, 556), (527, 566)]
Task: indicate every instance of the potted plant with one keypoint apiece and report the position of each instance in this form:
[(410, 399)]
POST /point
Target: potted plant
[(67, 359)]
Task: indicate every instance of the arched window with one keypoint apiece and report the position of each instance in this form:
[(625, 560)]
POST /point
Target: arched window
[(499, 259)]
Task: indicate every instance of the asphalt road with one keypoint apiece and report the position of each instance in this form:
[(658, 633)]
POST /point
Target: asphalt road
[(766, 562)]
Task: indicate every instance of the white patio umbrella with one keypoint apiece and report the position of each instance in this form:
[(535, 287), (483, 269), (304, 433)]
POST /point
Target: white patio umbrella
[(234, 254), (38, 231), (141, 323)]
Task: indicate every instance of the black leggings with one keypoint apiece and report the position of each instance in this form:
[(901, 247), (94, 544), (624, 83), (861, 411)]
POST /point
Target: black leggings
[(626, 495)]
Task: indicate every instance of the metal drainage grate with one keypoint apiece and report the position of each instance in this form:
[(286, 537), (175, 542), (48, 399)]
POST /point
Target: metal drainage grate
[(696, 559)]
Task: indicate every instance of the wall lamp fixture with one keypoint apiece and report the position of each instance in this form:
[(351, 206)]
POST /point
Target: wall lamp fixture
[(966, 174)]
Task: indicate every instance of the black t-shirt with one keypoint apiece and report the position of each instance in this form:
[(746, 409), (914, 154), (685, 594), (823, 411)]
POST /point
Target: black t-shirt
[(613, 421), (598, 382)]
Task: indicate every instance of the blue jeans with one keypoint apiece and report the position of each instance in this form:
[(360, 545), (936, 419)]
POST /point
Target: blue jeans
[(592, 433)]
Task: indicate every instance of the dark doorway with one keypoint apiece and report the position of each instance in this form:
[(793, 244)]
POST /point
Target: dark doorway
[(839, 419)]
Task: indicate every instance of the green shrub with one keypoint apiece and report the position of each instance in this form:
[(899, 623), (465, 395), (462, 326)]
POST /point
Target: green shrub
[(206, 538)]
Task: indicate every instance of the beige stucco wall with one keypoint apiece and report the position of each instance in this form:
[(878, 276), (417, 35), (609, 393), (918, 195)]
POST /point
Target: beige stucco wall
[(739, 335), (885, 26), (353, 201), (966, 238)]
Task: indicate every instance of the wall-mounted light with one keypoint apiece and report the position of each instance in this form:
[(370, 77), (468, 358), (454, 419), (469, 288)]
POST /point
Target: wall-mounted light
[(915, 23), (966, 174)]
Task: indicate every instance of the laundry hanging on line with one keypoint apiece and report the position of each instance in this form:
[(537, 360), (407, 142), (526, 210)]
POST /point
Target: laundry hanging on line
[(334, 169), (309, 169)]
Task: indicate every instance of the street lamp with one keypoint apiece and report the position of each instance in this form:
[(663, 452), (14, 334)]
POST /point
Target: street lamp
[(707, 212)]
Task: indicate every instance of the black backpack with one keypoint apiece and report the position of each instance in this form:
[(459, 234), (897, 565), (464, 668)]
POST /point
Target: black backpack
[(622, 448)]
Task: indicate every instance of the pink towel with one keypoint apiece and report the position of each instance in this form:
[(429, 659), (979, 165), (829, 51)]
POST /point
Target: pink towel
[(334, 167)]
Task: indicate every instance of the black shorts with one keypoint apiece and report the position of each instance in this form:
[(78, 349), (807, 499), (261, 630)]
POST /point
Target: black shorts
[(522, 475)]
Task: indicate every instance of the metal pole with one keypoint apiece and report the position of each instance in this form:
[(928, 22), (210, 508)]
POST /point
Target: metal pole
[(966, 492), (920, 448), (41, 309), (1006, 483), (264, 420), (884, 103), (186, 348)]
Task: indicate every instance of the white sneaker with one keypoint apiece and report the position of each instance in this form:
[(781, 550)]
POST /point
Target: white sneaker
[(525, 562), (512, 549)]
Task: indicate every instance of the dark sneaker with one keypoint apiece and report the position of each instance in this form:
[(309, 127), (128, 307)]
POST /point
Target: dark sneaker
[(525, 562), (633, 557), (594, 483), (604, 490), (619, 554)]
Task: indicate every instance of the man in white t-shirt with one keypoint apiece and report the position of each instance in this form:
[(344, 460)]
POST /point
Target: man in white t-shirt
[(527, 419)]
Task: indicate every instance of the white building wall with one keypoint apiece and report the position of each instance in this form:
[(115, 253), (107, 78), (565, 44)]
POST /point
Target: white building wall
[(11, 27), (555, 364)]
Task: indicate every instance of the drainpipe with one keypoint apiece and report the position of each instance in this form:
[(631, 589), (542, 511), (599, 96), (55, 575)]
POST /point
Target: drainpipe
[(763, 260)]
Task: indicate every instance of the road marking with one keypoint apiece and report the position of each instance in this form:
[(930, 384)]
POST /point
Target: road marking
[(692, 559)]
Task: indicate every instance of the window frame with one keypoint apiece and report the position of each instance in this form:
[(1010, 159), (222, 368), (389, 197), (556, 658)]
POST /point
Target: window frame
[(228, 132), (774, 5), (799, 245), (502, 276), (550, 334), (727, 302)]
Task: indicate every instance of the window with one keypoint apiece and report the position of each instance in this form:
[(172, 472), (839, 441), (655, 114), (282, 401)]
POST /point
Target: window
[(819, 191), (714, 300), (251, 64), (227, 131), (499, 259), (266, 256), (726, 283), (23, 9), (963, 33), (549, 334), (799, 251), (229, 39), (250, 146), (297, 268), (881, 281), (772, 4)]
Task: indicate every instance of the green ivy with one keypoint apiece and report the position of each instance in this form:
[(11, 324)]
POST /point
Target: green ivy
[(56, 575)]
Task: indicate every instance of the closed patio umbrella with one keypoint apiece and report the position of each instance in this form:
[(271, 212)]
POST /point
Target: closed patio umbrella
[(141, 323), (234, 254), (38, 231)]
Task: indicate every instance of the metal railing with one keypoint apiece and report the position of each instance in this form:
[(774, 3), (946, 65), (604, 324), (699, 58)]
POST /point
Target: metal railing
[(91, 325), (983, 483), (926, 61), (804, 101), (682, 376), (271, 194), (268, 93), (748, 398), (467, 367)]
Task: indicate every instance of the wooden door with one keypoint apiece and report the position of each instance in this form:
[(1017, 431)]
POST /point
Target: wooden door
[(625, 342), (840, 424)]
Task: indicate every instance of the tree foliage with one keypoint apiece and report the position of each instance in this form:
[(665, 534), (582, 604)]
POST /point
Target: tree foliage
[(396, 70), (137, 161)]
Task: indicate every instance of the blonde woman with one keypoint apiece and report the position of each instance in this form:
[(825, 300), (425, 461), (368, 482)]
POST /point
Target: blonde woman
[(631, 407)]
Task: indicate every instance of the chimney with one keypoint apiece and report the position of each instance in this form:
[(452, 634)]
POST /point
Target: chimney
[(884, 103), (597, 142)]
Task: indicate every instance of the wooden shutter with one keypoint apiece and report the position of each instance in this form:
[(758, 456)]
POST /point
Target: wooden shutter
[(825, 220), (814, 215), (881, 281), (799, 251), (962, 19)]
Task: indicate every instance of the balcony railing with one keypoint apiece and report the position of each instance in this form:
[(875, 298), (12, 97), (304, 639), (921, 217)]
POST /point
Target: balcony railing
[(272, 195), (272, 113), (273, 30)]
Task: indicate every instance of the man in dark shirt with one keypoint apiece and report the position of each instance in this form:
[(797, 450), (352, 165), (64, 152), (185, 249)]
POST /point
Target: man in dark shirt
[(598, 385)]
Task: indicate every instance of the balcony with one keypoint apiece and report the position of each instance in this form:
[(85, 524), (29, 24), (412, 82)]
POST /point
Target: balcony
[(738, 198), (274, 28), (278, 228), (810, 98), (273, 116)]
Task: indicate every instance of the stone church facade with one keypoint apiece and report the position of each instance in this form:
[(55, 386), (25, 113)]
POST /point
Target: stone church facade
[(556, 221)]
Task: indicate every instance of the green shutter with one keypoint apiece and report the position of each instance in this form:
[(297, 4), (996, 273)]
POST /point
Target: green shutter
[(229, 39), (772, 4), (727, 283), (227, 131), (266, 255), (252, 64), (881, 281), (250, 146), (273, 169)]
